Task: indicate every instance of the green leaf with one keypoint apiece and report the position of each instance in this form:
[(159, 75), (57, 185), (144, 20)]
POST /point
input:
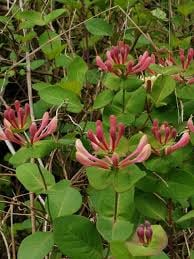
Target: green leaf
[(171, 70), (36, 246), (63, 60), (136, 101), (99, 178), (110, 230), (186, 92), (126, 178), (63, 199), (112, 81), (110, 225), (188, 216), (73, 86), (28, 37), (77, 237), (76, 70), (180, 185), (103, 202), (50, 44), (120, 251), (132, 83), (98, 26), (186, 8), (163, 87), (53, 15), (37, 63), (150, 206), (30, 18), (103, 99), (93, 76), (158, 13), (161, 165), (38, 150), (56, 95), (28, 174)]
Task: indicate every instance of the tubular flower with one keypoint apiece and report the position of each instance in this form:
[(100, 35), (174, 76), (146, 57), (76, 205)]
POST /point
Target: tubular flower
[(47, 127), (111, 158), (166, 136), (190, 124), (98, 139), (185, 63), (16, 119), (145, 233), (118, 63)]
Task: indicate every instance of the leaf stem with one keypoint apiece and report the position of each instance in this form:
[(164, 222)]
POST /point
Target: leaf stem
[(123, 109), (46, 189), (116, 206)]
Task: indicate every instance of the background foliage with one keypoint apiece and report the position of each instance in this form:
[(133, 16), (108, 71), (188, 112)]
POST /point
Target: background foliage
[(47, 58)]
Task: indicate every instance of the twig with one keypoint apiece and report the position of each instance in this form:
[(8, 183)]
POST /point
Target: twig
[(6, 245), (139, 29), (12, 234), (58, 36)]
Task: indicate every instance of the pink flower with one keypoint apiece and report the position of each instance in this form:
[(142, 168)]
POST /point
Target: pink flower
[(190, 124), (45, 129), (144, 233), (17, 118), (111, 158), (13, 123), (14, 137), (98, 139), (166, 136), (185, 63), (117, 61)]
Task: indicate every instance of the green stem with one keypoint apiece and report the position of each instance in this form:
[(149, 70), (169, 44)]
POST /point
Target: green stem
[(116, 206), (46, 189), (108, 251), (114, 219), (123, 101)]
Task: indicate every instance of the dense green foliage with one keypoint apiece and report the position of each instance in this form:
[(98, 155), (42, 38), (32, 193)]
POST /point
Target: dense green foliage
[(129, 64)]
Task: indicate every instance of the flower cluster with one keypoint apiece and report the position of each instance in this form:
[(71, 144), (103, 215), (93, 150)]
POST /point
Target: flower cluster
[(145, 233), (111, 158), (118, 61), (16, 122), (185, 63), (166, 135)]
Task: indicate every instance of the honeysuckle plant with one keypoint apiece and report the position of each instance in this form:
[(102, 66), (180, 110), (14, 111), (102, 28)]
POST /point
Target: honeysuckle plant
[(166, 135), (119, 63), (113, 166), (115, 178), (16, 123), (104, 179), (185, 75)]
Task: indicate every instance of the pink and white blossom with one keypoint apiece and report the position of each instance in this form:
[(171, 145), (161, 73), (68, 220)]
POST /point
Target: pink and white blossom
[(118, 62), (166, 136), (111, 159)]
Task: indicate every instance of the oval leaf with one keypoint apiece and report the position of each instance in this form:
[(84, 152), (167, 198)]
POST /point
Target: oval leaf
[(150, 206), (103, 99), (36, 246), (77, 237), (98, 26), (63, 199), (28, 174)]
